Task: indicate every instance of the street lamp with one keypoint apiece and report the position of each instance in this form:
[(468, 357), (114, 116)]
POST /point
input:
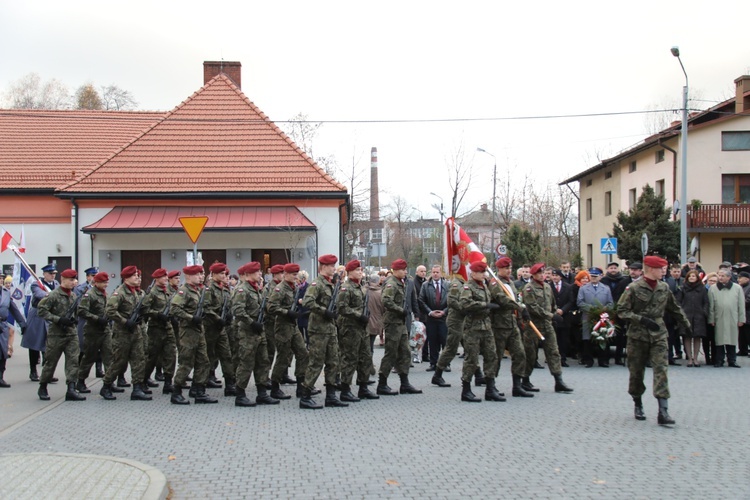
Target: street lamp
[(683, 163), (440, 208), (494, 184)]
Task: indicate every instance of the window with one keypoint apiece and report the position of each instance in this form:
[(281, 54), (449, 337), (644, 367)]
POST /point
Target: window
[(632, 199), (608, 174), (659, 156), (430, 246), (588, 209), (735, 250), (608, 203), (589, 183), (735, 141), (659, 188), (632, 167), (735, 188), (376, 234), (590, 254)]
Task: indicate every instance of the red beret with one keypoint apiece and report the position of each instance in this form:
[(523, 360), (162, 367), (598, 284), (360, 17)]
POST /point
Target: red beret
[(174, 273), (654, 261), (101, 277), (478, 266), (352, 265), (291, 268), (278, 268), (398, 264), (250, 267), (129, 271), (218, 267), (503, 262), (539, 266), (159, 273), (328, 259), (69, 273), (192, 270)]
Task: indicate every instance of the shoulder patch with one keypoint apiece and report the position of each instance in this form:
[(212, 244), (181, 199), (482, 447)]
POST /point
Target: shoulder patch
[(312, 284), (493, 282), (115, 293), (454, 285), (86, 294), (181, 292), (240, 290), (389, 285), (277, 289), (343, 289), (466, 287)]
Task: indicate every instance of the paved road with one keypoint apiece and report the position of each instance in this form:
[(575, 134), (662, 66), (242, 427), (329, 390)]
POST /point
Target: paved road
[(582, 445)]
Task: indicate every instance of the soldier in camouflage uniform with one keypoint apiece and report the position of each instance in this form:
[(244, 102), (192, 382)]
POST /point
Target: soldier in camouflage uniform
[(475, 300), (355, 341), (505, 325), (96, 330), (252, 351), (283, 304), (161, 340), (277, 272), (397, 350), (643, 304), (59, 310), (323, 347), (215, 324), (187, 307), (127, 335), (540, 302), (455, 323)]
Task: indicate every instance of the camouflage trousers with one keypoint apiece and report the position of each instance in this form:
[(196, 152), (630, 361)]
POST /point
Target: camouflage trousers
[(510, 339), (192, 355), (478, 342), (289, 342), (93, 343), (252, 357), (57, 345), (355, 354), (217, 347), (162, 348), (531, 346), (323, 351), (455, 335), (127, 348), (397, 351), (641, 352), (269, 327)]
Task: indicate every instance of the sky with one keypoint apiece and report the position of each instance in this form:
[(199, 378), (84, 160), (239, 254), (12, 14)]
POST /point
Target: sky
[(388, 68)]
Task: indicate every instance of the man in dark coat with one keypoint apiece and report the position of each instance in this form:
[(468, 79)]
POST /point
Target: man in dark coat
[(35, 337), (7, 308), (433, 302), (564, 301)]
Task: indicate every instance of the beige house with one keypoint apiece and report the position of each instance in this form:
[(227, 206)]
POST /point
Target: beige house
[(718, 166)]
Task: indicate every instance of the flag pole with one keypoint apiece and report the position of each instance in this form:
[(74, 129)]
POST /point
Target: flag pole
[(511, 297), (28, 268)]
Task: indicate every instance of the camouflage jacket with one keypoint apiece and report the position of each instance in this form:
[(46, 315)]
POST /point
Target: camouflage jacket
[(393, 301), (214, 303), (473, 302), (246, 301), (93, 306), (639, 301), (280, 301), (317, 297), (154, 305), (56, 305), (121, 305), (185, 306), (455, 320), (539, 300), (270, 319), (506, 317), (351, 304)]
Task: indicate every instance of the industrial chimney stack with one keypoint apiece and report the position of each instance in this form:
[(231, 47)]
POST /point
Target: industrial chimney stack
[(374, 200)]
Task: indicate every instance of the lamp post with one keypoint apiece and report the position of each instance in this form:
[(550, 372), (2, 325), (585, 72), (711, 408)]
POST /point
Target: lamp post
[(683, 163), (494, 185), (440, 208)]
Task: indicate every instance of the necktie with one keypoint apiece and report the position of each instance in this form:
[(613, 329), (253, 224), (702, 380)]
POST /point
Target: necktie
[(596, 286), (437, 293), (558, 287)]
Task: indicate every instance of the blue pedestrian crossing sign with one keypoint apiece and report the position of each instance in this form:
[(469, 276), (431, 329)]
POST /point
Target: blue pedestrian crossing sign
[(609, 245)]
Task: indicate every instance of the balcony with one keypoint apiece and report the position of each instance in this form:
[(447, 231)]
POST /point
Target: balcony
[(732, 218)]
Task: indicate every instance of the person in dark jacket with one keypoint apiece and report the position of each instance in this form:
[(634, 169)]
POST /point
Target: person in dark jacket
[(743, 278), (35, 336), (621, 325), (561, 321), (420, 278), (433, 303), (693, 298)]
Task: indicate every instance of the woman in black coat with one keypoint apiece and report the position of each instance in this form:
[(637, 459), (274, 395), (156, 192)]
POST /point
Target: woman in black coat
[(693, 298)]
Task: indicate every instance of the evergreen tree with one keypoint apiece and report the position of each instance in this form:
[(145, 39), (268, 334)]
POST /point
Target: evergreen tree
[(523, 246)]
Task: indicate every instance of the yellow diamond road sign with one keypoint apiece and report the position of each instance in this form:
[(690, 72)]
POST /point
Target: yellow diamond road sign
[(193, 226)]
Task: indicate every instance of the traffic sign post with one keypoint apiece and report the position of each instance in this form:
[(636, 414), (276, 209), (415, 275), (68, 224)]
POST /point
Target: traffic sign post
[(193, 227)]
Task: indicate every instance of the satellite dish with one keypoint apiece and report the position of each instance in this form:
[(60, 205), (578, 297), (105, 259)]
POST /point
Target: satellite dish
[(694, 246), (310, 247)]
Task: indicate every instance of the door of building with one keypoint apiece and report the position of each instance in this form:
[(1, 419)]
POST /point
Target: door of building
[(147, 261), (212, 257), (269, 257)]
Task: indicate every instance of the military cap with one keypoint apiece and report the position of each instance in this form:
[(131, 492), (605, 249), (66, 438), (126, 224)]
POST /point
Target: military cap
[(399, 264), (503, 262), (69, 273), (596, 271), (692, 260), (250, 267), (291, 268), (192, 270), (218, 268), (276, 269), (539, 266), (654, 261), (101, 277), (174, 273), (129, 271), (159, 273), (91, 270), (744, 274), (478, 266), (328, 259), (352, 265), (50, 268)]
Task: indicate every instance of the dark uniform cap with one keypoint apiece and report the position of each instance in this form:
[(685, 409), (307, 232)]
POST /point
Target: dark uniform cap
[(595, 271), (50, 268), (91, 270), (635, 265), (69, 273), (744, 274)]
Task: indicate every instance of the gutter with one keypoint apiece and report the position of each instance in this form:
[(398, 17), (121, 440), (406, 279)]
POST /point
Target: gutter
[(674, 178), (74, 216)]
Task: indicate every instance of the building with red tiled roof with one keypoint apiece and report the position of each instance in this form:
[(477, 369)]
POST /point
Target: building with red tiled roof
[(107, 188)]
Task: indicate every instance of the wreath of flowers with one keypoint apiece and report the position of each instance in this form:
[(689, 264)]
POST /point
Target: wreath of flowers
[(603, 330)]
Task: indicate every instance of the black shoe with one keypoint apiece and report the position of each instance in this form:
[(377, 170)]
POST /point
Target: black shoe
[(467, 395), (672, 362), (638, 409), (115, 389), (177, 398), (491, 394), (589, 363), (168, 387), (3, 383), (619, 362), (306, 402), (121, 382), (564, 364), (151, 383), (230, 389), (42, 392), (106, 392), (33, 375), (406, 387), (264, 399), (331, 399), (537, 365), (54, 380), (145, 389), (447, 369), (287, 380), (159, 375), (663, 417), (718, 365), (365, 393), (603, 364), (528, 386), (99, 370), (81, 387), (560, 385), (213, 384), (462, 355), (277, 393), (242, 400), (201, 398), (383, 388), (734, 365), (347, 395), (518, 390), (72, 394), (479, 380), (139, 394), (431, 368)]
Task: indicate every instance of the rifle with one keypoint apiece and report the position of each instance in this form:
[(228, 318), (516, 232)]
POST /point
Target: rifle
[(366, 308), (337, 286), (262, 314), (297, 297), (199, 309), (71, 312), (511, 297), (137, 313), (225, 314)]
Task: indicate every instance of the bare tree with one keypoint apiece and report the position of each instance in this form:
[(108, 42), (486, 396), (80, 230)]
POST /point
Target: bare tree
[(400, 212), (87, 97), (459, 176), (116, 99), (29, 92), (303, 133)]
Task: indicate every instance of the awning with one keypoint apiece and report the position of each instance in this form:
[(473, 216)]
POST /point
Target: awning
[(143, 219)]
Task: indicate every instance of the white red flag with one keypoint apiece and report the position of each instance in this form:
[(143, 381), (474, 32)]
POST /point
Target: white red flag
[(459, 252), (21, 289), (5, 239)]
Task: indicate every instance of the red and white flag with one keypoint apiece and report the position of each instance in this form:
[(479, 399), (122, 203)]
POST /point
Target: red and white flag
[(5, 239), (459, 251)]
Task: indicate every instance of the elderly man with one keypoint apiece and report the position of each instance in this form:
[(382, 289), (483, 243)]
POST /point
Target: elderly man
[(726, 312), (593, 294)]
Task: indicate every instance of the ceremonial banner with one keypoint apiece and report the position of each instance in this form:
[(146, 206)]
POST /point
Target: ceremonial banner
[(459, 252), (21, 288), (5, 239)]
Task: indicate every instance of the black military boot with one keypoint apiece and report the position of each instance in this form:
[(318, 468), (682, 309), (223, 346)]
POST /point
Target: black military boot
[(159, 375), (106, 392), (3, 383), (213, 383), (242, 400), (347, 395), (144, 388), (383, 388), (151, 383), (638, 410), (81, 386), (138, 394), (263, 398), (664, 418), (490, 393), (115, 389), (99, 369), (287, 380), (277, 393), (42, 392), (193, 392), (121, 382), (201, 398), (479, 379), (306, 402), (467, 395), (337, 384), (72, 394), (177, 398), (168, 387), (437, 378), (332, 399), (231, 388), (527, 385), (300, 387), (33, 375), (406, 387), (365, 393), (518, 390), (560, 385)]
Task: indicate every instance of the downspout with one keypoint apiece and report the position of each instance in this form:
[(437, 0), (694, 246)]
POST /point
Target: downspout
[(75, 233), (674, 179), (341, 229)]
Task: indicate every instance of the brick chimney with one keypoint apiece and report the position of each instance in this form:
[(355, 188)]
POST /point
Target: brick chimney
[(742, 96), (374, 198), (232, 69)]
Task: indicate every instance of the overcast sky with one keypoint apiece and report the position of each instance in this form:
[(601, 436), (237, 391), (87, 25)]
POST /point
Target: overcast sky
[(406, 61)]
